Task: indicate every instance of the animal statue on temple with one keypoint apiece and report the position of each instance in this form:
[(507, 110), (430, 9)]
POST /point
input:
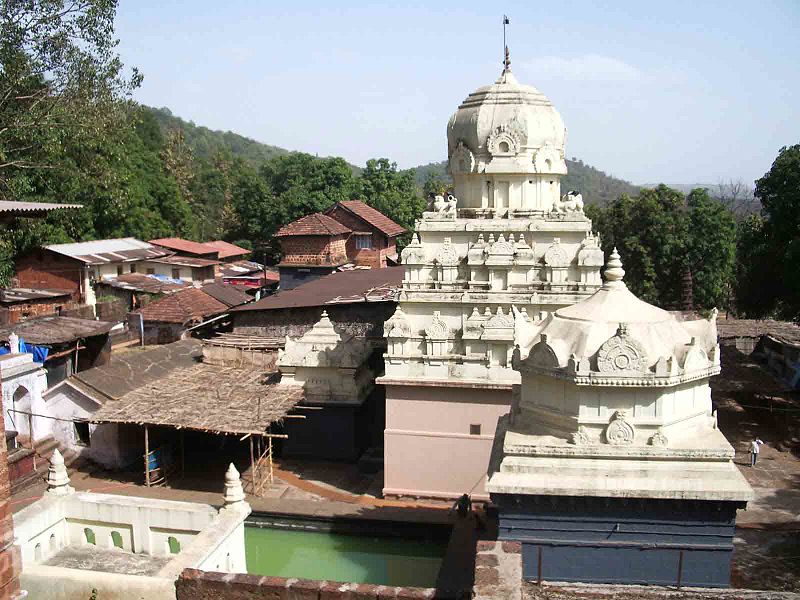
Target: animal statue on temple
[(443, 205), (572, 201)]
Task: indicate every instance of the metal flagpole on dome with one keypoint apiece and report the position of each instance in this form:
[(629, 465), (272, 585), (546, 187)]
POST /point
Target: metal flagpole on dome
[(506, 21)]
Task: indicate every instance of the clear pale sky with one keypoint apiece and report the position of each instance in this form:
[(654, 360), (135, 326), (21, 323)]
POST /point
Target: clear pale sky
[(677, 91)]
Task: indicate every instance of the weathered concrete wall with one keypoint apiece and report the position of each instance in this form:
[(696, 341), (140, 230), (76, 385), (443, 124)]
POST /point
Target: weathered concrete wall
[(361, 320), (57, 583), (422, 422), (201, 585), (237, 356), (10, 558)]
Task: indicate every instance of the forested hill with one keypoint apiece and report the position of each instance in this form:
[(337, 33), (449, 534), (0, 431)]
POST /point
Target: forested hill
[(205, 142), (595, 185)]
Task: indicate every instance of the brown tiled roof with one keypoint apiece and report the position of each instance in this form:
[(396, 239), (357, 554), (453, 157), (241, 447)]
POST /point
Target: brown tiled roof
[(182, 245), (226, 249), (183, 307), (314, 224), (343, 287), (374, 217), (185, 261), (226, 293), (139, 282)]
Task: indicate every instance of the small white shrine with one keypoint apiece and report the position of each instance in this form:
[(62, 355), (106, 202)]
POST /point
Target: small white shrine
[(506, 237), (612, 444)]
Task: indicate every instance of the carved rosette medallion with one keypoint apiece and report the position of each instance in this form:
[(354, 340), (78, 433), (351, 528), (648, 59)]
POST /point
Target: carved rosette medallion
[(556, 255), (462, 160), (505, 139), (438, 329), (448, 255), (581, 437), (619, 432), (621, 353)]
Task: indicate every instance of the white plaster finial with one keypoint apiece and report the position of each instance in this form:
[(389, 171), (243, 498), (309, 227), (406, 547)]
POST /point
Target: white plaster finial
[(13, 343), (233, 486), (57, 476), (614, 271)]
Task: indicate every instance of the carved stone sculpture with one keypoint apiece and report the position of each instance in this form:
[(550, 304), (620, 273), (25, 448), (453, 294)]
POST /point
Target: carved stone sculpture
[(570, 202), (619, 432)]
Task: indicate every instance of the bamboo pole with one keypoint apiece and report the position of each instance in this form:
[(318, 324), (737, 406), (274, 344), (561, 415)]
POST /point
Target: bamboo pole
[(271, 478), (146, 456), (252, 466)]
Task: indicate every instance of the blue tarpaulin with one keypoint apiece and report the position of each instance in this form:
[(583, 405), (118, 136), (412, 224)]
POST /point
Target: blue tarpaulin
[(39, 352)]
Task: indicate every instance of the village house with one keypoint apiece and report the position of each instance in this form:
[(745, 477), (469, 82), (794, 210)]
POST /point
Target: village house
[(167, 319), (214, 250), (135, 290), (74, 267), (19, 304), (251, 276), (373, 242), (312, 246)]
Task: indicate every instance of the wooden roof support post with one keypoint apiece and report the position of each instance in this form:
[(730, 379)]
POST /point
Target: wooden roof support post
[(146, 457), (252, 466), (271, 478)]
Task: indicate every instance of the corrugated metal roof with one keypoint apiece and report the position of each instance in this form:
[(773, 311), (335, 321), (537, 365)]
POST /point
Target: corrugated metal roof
[(31, 209), (98, 252), (139, 282), (13, 295)]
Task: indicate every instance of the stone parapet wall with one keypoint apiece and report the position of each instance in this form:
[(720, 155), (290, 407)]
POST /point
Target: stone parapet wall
[(194, 584)]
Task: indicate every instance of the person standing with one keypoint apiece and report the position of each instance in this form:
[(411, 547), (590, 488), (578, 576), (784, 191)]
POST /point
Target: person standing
[(754, 450)]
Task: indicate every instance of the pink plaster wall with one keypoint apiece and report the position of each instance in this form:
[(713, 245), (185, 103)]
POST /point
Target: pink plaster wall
[(428, 448)]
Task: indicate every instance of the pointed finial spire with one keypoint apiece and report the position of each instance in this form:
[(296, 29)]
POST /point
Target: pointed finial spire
[(507, 55), (507, 61), (57, 476), (233, 486), (614, 271)]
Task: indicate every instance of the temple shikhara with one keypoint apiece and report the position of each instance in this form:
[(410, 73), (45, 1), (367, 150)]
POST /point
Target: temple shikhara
[(507, 242)]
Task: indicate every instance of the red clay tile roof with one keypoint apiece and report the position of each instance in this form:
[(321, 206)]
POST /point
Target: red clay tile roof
[(374, 217), (226, 249), (183, 307), (342, 287), (182, 245), (314, 224)]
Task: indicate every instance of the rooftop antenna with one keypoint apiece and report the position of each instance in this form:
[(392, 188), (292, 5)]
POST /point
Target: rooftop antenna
[(506, 55)]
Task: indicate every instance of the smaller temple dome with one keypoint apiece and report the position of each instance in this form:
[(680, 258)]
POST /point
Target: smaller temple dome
[(614, 322)]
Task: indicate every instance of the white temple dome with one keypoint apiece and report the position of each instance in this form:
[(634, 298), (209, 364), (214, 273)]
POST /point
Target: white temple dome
[(581, 331), (507, 118)]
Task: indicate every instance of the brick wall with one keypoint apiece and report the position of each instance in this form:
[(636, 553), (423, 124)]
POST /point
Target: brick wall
[(382, 246), (202, 585), (47, 270), (30, 310), (314, 250), (10, 559)]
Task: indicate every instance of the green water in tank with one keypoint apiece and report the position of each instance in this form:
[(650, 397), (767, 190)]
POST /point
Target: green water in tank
[(341, 557)]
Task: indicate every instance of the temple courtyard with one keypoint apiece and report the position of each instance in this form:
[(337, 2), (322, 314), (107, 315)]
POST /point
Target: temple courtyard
[(750, 401)]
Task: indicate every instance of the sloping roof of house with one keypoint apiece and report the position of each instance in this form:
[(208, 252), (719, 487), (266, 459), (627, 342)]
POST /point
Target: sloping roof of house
[(314, 224), (228, 294), (185, 306), (10, 208), (226, 249), (15, 295), (55, 330), (133, 369), (734, 328), (205, 397), (372, 216), (343, 287), (185, 261), (139, 282), (98, 252), (182, 245)]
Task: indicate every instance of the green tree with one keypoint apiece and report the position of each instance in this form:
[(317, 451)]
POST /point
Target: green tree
[(61, 82), (392, 192), (769, 249)]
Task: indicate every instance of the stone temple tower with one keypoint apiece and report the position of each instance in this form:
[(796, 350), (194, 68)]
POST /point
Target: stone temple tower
[(505, 248)]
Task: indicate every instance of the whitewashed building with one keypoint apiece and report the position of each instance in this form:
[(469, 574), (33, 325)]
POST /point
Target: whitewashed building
[(507, 239)]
